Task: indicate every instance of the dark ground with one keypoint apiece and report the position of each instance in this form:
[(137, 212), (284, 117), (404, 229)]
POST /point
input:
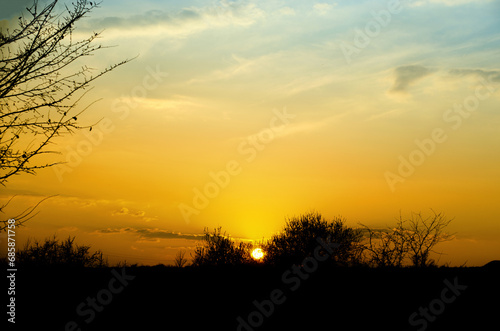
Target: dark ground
[(167, 298)]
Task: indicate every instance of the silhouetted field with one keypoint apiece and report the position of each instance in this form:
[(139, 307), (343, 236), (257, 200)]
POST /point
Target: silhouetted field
[(331, 298)]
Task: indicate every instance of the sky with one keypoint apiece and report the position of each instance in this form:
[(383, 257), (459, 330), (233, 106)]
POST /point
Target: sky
[(240, 114)]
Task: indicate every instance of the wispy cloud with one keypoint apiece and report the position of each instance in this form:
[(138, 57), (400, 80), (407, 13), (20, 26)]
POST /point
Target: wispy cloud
[(154, 234), (448, 3), (182, 23), (287, 11), (323, 8), (306, 83), (407, 75), (125, 211), (385, 114), (492, 75), (150, 234), (239, 66), (135, 213), (296, 128), (172, 107)]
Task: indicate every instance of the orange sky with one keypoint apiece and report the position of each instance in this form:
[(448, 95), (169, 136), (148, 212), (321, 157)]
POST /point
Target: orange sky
[(271, 110)]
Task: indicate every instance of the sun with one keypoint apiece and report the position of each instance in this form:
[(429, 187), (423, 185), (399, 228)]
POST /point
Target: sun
[(258, 254)]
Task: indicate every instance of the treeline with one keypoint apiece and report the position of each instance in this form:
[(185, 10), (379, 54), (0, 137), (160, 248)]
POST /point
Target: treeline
[(409, 242), (59, 253)]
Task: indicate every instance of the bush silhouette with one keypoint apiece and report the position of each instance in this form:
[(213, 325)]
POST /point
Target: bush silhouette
[(52, 252), (300, 237), (217, 249)]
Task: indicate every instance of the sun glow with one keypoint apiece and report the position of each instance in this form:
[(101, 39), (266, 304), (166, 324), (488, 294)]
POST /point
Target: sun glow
[(258, 254)]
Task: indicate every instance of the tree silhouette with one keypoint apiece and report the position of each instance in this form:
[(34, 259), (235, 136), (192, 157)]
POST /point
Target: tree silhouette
[(40, 88), (179, 260), (386, 248), (422, 235), (217, 249), (412, 239), (300, 237), (52, 252)]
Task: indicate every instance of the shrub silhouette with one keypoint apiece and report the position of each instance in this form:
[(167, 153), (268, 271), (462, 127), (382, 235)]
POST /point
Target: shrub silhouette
[(52, 252), (300, 237), (217, 249)]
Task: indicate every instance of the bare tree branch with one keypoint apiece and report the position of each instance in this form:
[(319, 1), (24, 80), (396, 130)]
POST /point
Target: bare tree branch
[(413, 239), (24, 216), (40, 89)]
